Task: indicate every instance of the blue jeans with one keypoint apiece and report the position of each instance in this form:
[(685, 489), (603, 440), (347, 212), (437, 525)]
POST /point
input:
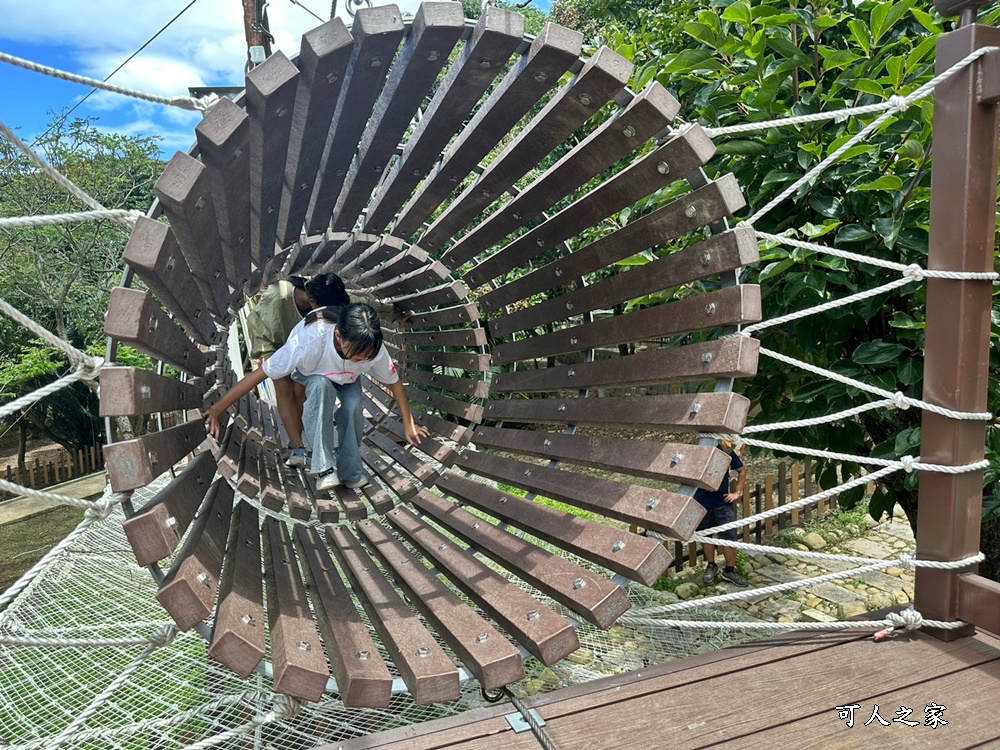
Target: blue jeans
[(318, 417)]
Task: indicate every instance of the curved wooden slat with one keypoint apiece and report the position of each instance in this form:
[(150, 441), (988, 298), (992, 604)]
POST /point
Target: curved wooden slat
[(647, 114), (725, 307), (155, 255), (137, 462), (425, 668), (377, 33), (323, 59), (494, 39), (552, 53), (602, 78), (435, 30), (483, 650), (224, 143), (126, 391), (543, 633)]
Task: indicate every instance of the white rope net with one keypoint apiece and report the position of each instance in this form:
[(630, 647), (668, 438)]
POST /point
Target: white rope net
[(88, 659)]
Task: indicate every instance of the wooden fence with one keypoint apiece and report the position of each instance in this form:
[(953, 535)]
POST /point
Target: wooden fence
[(65, 466), (794, 481)]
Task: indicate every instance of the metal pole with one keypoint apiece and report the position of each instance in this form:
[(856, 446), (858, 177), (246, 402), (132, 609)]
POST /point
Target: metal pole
[(962, 238)]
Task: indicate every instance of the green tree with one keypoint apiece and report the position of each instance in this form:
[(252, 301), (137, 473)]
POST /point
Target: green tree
[(732, 62), (61, 276)]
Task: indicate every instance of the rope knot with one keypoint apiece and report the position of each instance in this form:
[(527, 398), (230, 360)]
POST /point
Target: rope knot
[(898, 103), (100, 509), (907, 561), (900, 401), (914, 272), (91, 368), (907, 462), (284, 707), (908, 619), (164, 636)]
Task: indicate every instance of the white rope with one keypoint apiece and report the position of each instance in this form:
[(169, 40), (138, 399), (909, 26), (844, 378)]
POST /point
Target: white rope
[(95, 513), (898, 399), (777, 588), (39, 641), (75, 356), (101, 507), (47, 390), (825, 307), (184, 102), (893, 106), (915, 272), (51, 171), (163, 638), (908, 619), (124, 216), (285, 707), (835, 417), (140, 727)]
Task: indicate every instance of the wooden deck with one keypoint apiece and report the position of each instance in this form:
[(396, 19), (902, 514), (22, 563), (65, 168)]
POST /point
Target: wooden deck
[(781, 693)]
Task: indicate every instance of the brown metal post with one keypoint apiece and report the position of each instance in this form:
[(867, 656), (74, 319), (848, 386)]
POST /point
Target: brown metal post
[(962, 238)]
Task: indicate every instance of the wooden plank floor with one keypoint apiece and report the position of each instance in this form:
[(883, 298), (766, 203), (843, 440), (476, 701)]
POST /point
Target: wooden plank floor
[(781, 693)]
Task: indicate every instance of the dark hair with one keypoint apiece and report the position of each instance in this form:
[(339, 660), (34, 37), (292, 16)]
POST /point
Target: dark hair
[(299, 282), (360, 330), (328, 290)]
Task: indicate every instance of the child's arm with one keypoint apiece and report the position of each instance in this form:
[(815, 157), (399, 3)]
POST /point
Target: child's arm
[(233, 395), (413, 433), (741, 479)]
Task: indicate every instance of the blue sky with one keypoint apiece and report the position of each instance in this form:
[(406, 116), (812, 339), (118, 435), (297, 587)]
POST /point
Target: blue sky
[(206, 46)]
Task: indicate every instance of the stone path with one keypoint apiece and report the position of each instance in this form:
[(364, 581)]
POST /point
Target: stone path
[(822, 602)]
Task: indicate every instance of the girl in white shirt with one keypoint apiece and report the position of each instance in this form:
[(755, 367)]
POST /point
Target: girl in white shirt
[(329, 356)]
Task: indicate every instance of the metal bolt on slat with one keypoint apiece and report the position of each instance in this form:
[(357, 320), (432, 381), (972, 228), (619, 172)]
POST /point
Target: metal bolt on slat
[(586, 100), (248, 620), (364, 655), (423, 652), (663, 167), (534, 615), (305, 646), (203, 579), (618, 546), (628, 131), (690, 212), (579, 583), (482, 637), (652, 503), (706, 358)]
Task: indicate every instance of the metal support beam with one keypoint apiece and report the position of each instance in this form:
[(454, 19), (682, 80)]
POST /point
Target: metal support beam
[(962, 238)]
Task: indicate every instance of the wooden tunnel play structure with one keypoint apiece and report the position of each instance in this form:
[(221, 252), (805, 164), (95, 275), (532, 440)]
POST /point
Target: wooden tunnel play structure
[(443, 165)]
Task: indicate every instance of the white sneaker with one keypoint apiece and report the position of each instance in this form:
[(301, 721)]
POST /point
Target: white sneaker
[(357, 483), (327, 480)]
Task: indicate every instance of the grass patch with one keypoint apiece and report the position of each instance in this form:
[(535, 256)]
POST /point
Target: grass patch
[(24, 543)]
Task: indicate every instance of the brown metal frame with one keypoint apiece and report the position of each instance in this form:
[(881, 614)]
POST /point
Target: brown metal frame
[(962, 238)]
